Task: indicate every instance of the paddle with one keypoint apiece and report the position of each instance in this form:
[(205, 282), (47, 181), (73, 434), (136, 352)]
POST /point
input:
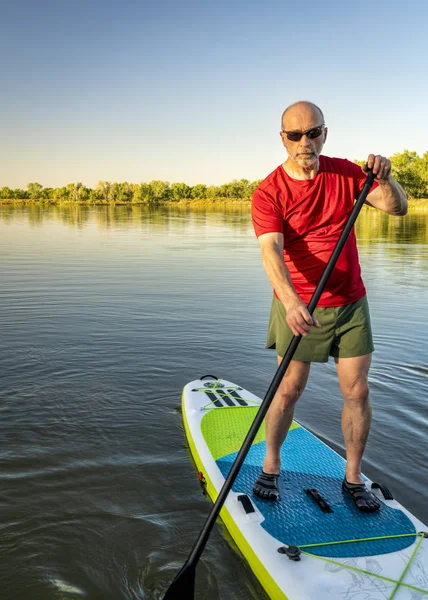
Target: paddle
[(183, 586)]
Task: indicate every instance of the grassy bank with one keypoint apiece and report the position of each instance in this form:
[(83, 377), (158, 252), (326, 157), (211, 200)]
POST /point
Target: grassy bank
[(419, 205)]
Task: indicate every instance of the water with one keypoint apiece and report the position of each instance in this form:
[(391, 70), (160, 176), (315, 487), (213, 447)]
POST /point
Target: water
[(105, 313)]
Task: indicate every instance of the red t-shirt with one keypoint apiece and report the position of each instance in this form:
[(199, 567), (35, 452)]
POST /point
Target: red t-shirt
[(311, 214)]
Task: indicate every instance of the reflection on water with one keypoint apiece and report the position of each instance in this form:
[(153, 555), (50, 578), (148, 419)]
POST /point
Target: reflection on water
[(105, 313), (372, 225)]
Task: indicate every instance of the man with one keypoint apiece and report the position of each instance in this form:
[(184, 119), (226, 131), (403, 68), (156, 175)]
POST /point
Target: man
[(299, 212)]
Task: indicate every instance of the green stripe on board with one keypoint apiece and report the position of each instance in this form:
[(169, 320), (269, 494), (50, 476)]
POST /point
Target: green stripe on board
[(224, 429)]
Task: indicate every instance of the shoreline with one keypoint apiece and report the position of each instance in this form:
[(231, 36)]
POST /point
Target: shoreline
[(169, 203), (414, 205)]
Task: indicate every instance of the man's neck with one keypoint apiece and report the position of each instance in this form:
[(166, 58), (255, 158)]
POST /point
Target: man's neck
[(297, 172)]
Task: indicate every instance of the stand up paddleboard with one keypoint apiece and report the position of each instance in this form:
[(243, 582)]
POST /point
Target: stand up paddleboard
[(313, 543)]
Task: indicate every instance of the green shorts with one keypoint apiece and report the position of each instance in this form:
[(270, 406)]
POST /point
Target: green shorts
[(345, 332)]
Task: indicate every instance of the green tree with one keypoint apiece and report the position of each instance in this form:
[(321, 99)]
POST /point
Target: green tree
[(160, 190), (404, 171), (60, 194), (229, 190), (240, 189), (6, 193), (213, 191), (142, 193), (147, 193), (421, 167), (199, 191), (34, 190), (124, 193), (252, 186), (46, 194), (95, 196), (76, 192), (181, 191), (21, 194), (114, 192), (104, 187)]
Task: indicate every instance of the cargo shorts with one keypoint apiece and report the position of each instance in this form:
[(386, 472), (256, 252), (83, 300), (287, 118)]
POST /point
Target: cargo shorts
[(345, 332)]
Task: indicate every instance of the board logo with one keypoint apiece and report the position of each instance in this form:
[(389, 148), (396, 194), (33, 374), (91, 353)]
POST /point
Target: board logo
[(213, 384)]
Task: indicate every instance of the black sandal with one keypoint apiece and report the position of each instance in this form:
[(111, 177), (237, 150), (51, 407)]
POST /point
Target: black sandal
[(364, 500), (266, 486)]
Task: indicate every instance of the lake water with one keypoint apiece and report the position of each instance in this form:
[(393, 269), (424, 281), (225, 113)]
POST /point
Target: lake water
[(105, 313)]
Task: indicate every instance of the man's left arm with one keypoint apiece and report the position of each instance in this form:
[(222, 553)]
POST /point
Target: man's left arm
[(389, 196)]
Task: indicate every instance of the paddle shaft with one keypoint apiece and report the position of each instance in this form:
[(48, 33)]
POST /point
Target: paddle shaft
[(234, 470)]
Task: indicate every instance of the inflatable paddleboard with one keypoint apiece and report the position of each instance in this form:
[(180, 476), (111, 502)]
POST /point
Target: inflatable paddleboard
[(313, 543)]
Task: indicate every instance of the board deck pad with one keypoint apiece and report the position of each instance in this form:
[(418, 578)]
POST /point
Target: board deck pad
[(222, 413), (308, 463)]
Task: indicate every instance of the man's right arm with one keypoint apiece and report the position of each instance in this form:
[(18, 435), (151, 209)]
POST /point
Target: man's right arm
[(298, 318)]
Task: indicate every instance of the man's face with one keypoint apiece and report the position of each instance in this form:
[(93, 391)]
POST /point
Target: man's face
[(303, 152)]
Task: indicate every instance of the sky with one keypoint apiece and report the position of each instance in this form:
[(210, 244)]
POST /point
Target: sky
[(193, 91)]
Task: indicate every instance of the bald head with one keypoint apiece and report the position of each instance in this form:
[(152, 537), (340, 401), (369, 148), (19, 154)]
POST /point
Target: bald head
[(299, 112), (303, 134)]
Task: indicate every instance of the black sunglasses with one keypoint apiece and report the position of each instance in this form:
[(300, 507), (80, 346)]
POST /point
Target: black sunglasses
[(296, 136)]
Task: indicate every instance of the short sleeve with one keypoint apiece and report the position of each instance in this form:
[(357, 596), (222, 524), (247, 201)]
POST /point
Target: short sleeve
[(266, 213)]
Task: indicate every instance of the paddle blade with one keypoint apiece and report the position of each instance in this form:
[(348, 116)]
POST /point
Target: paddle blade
[(183, 586)]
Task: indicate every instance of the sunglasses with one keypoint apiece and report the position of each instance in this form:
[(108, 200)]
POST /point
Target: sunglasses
[(296, 136)]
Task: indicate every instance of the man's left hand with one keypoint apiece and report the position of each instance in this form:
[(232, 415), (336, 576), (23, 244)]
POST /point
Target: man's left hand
[(380, 166)]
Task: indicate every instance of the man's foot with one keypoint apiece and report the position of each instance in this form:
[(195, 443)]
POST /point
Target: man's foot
[(364, 500), (266, 486)]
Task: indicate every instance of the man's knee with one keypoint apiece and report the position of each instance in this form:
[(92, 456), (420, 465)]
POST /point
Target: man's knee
[(357, 392), (289, 393), (292, 384)]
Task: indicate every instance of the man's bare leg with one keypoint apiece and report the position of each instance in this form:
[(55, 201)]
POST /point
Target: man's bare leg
[(278, 421), (356, 421)]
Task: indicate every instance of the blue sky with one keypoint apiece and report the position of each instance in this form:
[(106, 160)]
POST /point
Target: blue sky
[(193, 90)]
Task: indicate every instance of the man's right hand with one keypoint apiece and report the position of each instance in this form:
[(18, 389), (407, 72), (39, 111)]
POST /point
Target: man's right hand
[(298, 317)]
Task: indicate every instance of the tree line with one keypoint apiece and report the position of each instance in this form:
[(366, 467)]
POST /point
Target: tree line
[(408, 168), (154, 192)]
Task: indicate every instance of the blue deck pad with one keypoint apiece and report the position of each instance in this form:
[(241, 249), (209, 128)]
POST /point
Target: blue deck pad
[(298, 520)]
